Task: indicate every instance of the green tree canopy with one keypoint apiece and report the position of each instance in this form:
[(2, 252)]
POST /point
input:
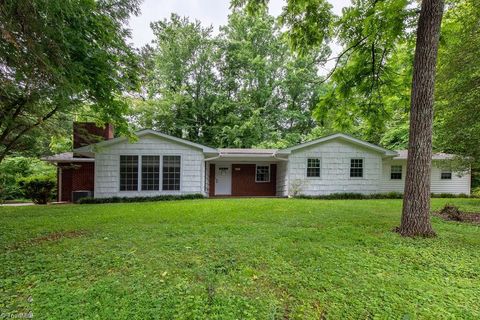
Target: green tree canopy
[(56, 55), (241, 88)]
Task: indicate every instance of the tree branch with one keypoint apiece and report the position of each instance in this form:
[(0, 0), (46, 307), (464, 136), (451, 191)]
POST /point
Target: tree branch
[(8, 146), (22, 102), (340, 56)]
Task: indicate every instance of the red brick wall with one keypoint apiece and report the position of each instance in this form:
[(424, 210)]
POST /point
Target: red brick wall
[(243, 181), (76, 176), (85, 133)]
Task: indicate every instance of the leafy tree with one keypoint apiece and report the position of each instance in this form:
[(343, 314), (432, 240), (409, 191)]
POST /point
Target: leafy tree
[(56, 55), (371, 32), (457, 128), (272, 89), (241, 88), (181, 84), (416, 200)]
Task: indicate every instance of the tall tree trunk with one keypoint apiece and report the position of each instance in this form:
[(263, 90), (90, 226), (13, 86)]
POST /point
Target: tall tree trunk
[(416, 202)]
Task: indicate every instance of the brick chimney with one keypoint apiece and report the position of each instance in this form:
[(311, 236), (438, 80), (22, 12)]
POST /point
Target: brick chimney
[(85, 133)]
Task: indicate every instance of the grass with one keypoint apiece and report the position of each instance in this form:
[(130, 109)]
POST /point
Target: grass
[(236, 259)]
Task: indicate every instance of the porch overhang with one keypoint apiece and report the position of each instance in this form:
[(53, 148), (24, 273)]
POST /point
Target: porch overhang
[(248, 155), (246, 158)]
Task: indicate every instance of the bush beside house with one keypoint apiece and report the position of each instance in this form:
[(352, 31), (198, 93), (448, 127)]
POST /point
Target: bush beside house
[(16, 170), (40, 188)]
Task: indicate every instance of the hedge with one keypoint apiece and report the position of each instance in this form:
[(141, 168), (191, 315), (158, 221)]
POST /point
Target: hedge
[(388, 195), (141, 199)]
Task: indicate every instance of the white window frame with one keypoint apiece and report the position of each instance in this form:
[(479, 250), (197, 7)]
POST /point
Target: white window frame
[(139, 161), (140, 168), (269, 172), (320, 168), (350, 167), (161, 172), (401, 171)]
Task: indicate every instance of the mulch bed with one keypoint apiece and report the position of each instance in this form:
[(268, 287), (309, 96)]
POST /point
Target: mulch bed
[(452, 213)]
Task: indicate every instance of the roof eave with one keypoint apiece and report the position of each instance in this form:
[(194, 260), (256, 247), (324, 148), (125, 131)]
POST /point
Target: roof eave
[(68, 160), (365, 144), (91, 148)]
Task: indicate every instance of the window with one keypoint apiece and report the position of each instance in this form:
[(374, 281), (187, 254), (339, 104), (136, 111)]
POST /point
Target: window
[(171, 173), (128, 173), (262, 174), (356, 168), (396, 173), (150, 172), (313, 167), (446, 175)]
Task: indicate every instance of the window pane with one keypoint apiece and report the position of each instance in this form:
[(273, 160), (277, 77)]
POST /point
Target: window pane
[(356, 168), (313, 167), (128, 173), (171, 173), (150, 172), (262, 174), (446, 175), (396, 173)]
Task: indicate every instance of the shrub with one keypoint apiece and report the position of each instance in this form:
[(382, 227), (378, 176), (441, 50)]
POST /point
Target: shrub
[(388, 195), (476, 192), (40, 188), (15, 169), (141, 199)]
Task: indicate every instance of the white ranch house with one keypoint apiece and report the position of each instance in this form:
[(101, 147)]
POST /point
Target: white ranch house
[(157, 164)]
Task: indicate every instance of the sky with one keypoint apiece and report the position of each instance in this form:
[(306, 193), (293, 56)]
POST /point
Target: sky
[(208, 12)]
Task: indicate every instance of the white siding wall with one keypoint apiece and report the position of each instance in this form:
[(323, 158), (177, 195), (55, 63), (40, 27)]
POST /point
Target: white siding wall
[(460, 182), (389, 185), (335, 158), (107, 166), (282, 179)]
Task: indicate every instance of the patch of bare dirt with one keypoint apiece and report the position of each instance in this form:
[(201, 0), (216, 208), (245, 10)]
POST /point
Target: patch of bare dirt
[(452, 213), (54, 236)]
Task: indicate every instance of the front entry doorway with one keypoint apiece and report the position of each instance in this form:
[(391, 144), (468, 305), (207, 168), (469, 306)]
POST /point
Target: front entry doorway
[(223, 179)]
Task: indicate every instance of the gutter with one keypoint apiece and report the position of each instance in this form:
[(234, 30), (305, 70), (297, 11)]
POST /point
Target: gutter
[(212, 158), (281, 159)]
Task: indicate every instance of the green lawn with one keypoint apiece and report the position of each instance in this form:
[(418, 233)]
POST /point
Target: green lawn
[(236, 259)]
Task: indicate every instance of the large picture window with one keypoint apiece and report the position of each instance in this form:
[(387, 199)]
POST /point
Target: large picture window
[(262, 174), (396, 173), (171, 173), (128, 173), (356, 168), (313, 167), (150, 172)]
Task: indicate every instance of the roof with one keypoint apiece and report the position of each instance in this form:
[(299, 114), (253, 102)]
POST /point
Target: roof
[(91, 148), (246, 151), (344, 137), (238, 153), (403, 154), (66, 157)]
